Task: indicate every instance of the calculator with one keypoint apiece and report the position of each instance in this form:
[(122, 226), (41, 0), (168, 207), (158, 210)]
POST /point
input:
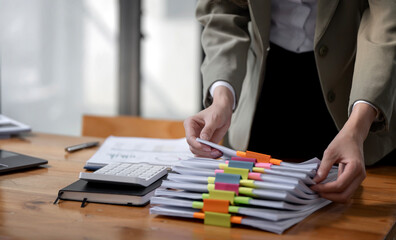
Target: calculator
[(142, 174)]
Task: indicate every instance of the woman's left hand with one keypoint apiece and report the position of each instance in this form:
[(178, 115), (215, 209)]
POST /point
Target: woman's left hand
[(347, 150)]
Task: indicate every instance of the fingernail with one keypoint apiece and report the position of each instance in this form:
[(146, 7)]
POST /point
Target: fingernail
[(206, 149), (204, 136)]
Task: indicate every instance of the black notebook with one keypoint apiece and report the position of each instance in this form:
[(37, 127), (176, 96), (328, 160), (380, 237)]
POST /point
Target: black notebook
[(84, 191)]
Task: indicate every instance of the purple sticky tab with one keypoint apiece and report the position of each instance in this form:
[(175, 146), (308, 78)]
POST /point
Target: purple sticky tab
[(253, 160)]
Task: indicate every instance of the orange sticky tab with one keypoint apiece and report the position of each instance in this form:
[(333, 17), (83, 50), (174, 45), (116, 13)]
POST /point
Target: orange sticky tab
[(236, 219), (264, 158), (199, 215), (215, 205), (275, 161), (241, 154)]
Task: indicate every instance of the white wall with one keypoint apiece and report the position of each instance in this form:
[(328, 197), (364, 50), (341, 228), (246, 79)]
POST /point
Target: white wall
[(170, 59), (59, 61)]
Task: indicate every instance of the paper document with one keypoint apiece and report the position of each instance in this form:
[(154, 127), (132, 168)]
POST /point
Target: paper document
[(167, 152)]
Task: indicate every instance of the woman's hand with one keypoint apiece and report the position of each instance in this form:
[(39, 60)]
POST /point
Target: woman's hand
[(210, 124), (347, 150)]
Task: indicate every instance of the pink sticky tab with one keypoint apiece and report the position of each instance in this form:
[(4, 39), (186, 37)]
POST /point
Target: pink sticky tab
[(227, 162), (227, 187), (255, 176), (264, 165), (219, 171), (244, 159)]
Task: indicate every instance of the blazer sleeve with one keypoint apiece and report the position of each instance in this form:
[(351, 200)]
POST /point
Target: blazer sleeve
[(225, 41), (374, 77)]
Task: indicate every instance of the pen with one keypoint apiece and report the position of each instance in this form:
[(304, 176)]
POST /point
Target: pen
[(81, 146)]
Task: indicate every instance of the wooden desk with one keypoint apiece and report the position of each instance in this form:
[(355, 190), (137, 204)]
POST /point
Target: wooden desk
[(27, 210)]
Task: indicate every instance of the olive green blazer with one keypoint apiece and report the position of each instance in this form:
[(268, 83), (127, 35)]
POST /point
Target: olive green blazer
[(355, 52)]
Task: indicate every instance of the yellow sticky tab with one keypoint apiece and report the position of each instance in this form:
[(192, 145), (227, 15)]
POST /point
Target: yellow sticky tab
[(240, 171), (223, 165), (218, 219), (246, 191), (223, 195), (258, 169), (211, 180), (247, 183)]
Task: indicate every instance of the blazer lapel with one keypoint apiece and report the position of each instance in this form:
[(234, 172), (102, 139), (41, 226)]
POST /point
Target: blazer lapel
[(326, 9), (260, 12)]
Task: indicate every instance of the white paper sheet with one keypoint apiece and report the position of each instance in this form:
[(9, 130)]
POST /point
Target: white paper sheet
[(166, 152)]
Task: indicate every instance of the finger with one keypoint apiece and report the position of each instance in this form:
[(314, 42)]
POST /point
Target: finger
[(192, 128), (350, 173), (341, 167), (212, 154), (324, 168), (345, 195), (196, 146), (219, 135), (209, 128)]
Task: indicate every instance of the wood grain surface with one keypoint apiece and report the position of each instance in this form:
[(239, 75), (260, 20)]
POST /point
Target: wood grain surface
[(27, 210)]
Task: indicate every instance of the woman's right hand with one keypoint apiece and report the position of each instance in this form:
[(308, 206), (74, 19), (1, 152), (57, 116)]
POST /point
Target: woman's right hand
[(210, 124)]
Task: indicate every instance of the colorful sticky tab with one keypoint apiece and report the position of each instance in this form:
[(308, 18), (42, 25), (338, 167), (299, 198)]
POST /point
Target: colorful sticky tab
[(242, 200), (246, 191), (211, 180), (243, 172), (241, 164), (220, 194), (241, 154), (223, 165), (218, 219), (197, 205), (253, 160), (264, 165), (227, 187), (259, 170), (215, 205), (259, 156), (247, 183), (227, 178), (255, 176), (275, 161), (199, 215)]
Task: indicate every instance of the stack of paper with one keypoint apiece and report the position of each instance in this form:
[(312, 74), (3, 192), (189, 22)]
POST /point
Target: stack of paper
[(272, 198)]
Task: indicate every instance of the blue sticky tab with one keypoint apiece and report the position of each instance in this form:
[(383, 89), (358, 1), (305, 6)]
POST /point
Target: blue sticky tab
[(227, 178), (241, 164)]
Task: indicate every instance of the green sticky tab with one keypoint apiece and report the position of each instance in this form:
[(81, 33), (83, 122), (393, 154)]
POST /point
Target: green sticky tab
[(240, 171), (222, 195), (246, 191), (197, 205), (205, 195), (233, 209), (247, 183), (242, 200), (218, 219), (211, 180)]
